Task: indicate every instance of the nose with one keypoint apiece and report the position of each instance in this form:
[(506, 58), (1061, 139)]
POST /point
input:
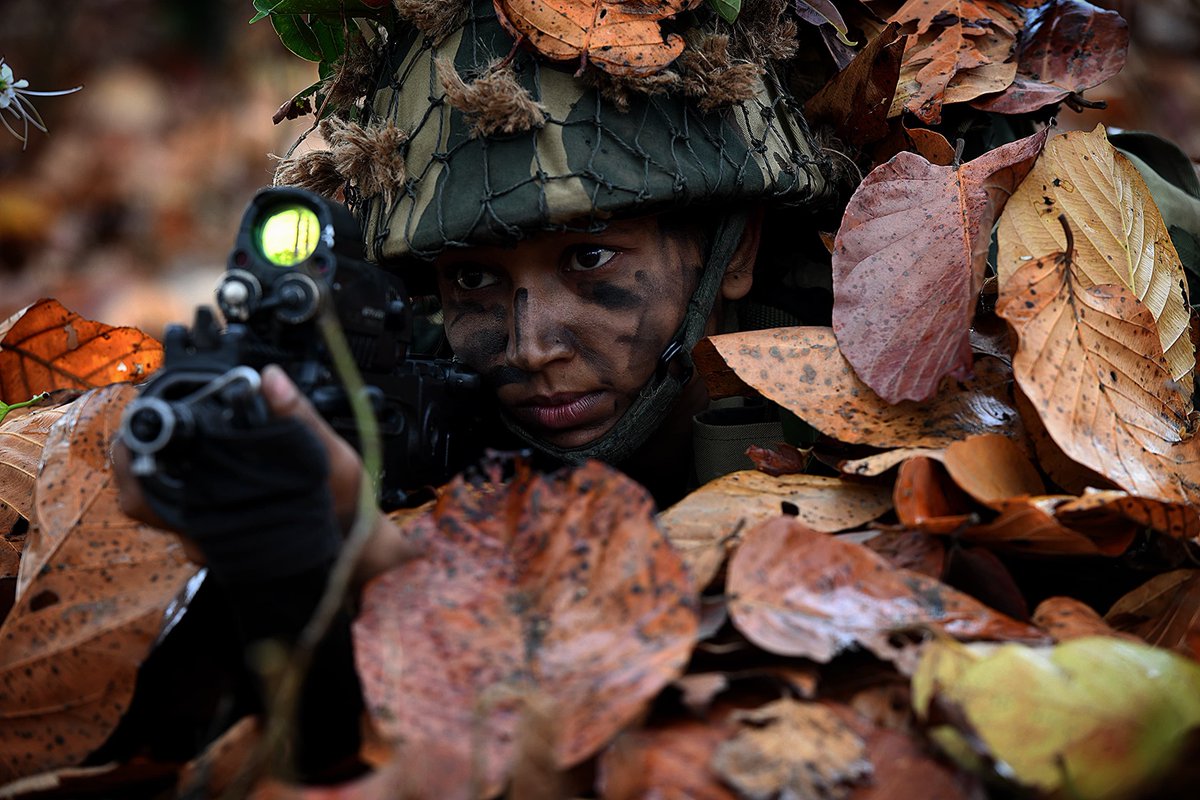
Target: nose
[(538, 335)]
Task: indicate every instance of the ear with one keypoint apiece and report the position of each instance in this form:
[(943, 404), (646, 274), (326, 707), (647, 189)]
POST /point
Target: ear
[(739, 275)]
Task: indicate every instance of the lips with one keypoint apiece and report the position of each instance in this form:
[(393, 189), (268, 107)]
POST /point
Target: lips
[(562, 411)]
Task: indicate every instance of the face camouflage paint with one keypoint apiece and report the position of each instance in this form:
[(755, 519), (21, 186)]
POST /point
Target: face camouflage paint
[(567, 328)]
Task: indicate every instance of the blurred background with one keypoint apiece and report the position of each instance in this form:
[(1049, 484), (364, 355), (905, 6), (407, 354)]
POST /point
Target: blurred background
[(126, 210)]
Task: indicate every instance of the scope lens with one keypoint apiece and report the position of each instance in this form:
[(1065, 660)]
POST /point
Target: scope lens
[(289, 235)]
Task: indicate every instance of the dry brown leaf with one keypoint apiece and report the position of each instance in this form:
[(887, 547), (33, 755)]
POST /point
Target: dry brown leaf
[(52, 348), (905, 769), (620, 37), (1090, 363), (856, 101), (1164, 611), (909, 263), (803, 370), (1067, 474), (1066, 618), (1070, 47), (792, 749), (1119, 237), (951, 37), (91, 596), (992, 469), (703, 525), (912, 550), (670, 761), (560, 587), (1029, 525), (797, 592), (22, 437), (213, 772), (929, 144)]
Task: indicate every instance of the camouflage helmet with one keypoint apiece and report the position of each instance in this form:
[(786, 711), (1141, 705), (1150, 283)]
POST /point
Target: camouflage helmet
[(489, 142)]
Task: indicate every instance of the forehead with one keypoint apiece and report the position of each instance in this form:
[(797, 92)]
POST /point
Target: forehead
[(645, 234)]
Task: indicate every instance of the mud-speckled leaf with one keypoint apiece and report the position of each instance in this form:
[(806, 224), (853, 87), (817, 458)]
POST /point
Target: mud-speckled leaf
[(803, 370), (790, 748), (92, 593), (1091, 364), (1119, 237), (705, 523), (620, 38), (22, 436), (1070, 47), (797, 592), (50, 348), (1164, 611), (560, 587), (909, 262), (1094, 718)]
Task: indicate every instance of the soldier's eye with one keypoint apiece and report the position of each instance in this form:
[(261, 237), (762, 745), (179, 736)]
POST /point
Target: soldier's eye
[(587, 257), (471, 278)]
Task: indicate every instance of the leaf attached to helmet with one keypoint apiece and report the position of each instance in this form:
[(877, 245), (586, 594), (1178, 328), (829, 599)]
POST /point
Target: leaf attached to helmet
[(621, 38)]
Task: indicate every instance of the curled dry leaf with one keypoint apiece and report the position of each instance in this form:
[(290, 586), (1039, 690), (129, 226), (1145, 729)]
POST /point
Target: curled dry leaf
[(1093, 718), (621, 38), (50, 348), (1066, 618), (992, 469), (22, 436), (880, 463), (702, 524), (951, 37), (560, 587), (1070, 47), (665, 761), (1107, 510), (797, 592), (1164, 611), (909, 263), (1119, 238), (92, 592), (782, 459), (1030, 525), (1090, 362), (927, 500), (803, 370), (792, 749)]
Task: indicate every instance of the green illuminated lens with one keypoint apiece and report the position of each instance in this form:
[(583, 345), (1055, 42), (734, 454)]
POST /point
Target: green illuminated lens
[(289, 235)]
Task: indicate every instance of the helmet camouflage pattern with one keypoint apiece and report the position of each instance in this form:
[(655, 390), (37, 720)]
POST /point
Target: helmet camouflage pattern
[(498, 143)]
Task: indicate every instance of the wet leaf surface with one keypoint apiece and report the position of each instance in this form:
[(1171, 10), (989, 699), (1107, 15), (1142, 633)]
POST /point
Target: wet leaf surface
[(91, 596), (909, 263), (560, 587), (50, 348)]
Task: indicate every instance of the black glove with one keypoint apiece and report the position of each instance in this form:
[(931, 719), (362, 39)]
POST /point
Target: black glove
[(257, 502)]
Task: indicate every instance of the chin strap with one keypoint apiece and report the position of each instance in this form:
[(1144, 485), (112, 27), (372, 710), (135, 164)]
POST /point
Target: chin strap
[(674, 368)]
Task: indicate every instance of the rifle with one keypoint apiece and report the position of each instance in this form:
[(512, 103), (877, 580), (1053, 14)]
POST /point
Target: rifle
[(297, 256)]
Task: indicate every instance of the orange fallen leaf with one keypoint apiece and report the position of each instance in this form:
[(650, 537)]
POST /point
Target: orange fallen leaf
[(560, 586), (797, 592), (1066, 618), (620, 37), (1091, 364), (665, 761), (91, 596), (50, 348), (992, 469), (804, 371), (927, 500), (22, 436), (1164, 611)]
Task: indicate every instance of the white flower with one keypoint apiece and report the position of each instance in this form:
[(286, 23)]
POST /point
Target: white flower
[(14, 98)]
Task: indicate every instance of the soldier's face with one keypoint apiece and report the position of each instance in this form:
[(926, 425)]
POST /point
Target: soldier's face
[(567, 327)]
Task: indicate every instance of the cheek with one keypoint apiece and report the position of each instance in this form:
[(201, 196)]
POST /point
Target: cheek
[(478, 335)]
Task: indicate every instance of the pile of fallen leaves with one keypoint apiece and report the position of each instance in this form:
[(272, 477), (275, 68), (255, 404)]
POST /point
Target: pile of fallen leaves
[(982, 580)]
